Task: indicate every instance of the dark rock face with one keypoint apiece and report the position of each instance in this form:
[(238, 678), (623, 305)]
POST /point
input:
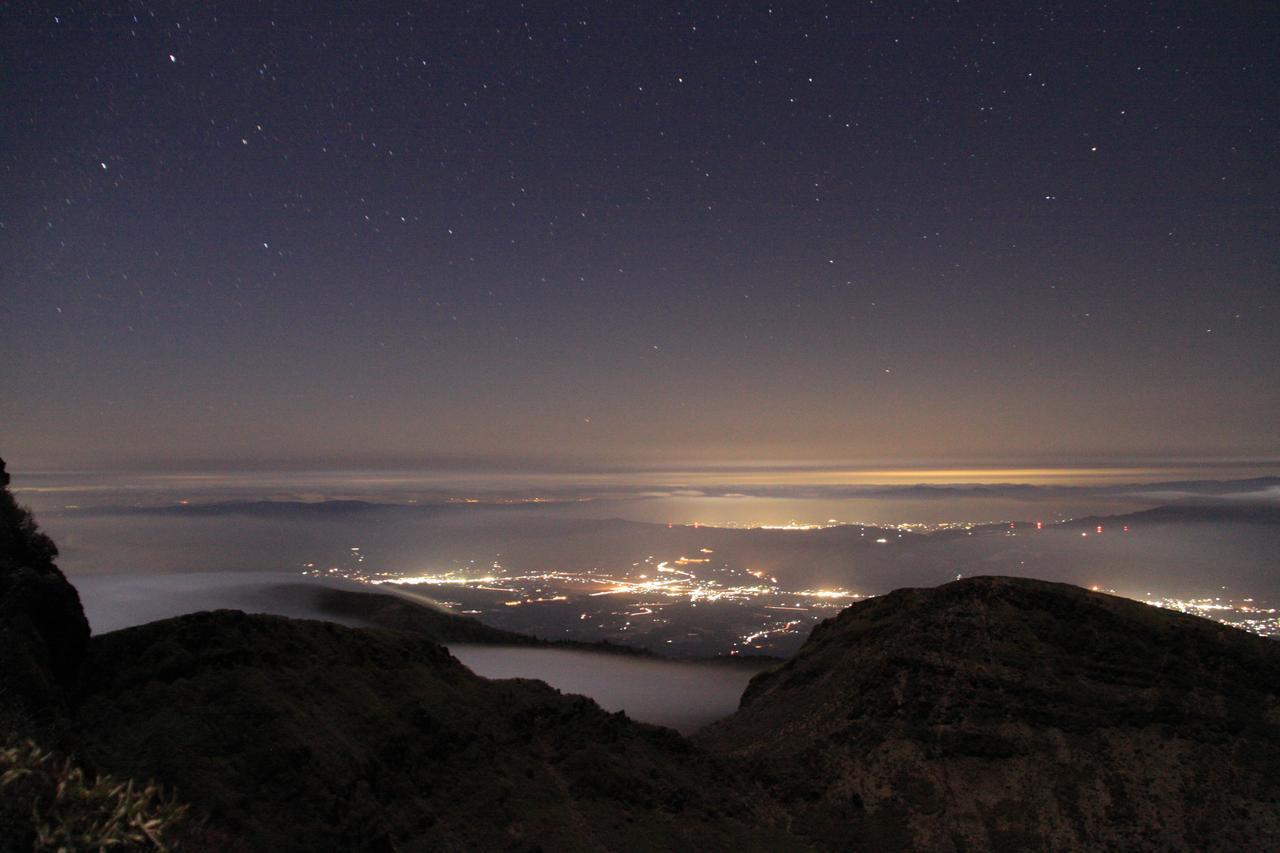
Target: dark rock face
[(1001, 713), (43, 631), (300, 735)]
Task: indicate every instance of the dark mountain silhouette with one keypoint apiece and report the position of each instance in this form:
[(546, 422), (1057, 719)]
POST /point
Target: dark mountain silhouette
[(43, 632), (1189, 513), (301, 735), (1002, 713)]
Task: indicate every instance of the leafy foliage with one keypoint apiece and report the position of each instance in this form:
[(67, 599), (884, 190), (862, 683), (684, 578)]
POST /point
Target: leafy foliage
[(49, 803)]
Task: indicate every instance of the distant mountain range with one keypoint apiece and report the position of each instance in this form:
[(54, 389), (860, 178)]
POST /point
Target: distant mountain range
[(1254, 500), (989, 713), (1191, 513)]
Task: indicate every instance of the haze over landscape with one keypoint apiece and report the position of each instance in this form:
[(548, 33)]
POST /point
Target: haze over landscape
[(719, 363)]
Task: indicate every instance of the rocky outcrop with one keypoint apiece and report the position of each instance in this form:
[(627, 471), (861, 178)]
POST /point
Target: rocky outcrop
[(1002, 713), (43, 630)]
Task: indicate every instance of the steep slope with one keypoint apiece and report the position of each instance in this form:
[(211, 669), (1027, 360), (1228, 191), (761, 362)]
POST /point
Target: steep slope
[(43, 631), (1001, 713), (307, 735)]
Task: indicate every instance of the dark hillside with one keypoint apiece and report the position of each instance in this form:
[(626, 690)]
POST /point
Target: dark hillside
[(308, 735), (1001, 713), (43, 631)]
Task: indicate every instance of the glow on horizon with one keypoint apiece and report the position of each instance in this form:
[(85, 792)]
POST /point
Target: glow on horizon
[(671, 477), (927, 476)]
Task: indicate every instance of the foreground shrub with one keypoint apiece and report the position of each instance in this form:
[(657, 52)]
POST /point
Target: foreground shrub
[(47, 803)]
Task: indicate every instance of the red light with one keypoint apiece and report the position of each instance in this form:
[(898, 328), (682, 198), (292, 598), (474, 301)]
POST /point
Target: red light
[(1099, 528), (1039, 525)]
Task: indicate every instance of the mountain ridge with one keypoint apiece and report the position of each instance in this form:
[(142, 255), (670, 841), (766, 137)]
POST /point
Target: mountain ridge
[(1000, 713)]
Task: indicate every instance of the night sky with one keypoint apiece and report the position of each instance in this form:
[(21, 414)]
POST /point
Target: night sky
[(640, 234)]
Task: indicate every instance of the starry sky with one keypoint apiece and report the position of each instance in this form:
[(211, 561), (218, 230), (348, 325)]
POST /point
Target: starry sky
[(647, 234)]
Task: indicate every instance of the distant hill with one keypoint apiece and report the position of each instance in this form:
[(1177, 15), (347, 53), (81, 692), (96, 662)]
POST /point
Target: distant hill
[(397, 613), (1190, 513), (1001, 713), (394, 612)]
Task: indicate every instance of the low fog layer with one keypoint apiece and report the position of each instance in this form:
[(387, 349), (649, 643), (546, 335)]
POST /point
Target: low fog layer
[(112, 602), (683, 696)]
